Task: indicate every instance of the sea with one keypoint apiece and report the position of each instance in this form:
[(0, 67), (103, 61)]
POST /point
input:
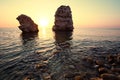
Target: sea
[(16, 47)]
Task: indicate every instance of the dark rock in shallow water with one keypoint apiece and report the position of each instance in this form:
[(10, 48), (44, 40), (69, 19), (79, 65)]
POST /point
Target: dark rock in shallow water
[(102, 70), (27, 24), (107, 76), (99, 62), (95, 78), (63, 19)]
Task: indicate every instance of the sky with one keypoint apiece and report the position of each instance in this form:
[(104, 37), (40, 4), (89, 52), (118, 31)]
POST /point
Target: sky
[(85, 13)]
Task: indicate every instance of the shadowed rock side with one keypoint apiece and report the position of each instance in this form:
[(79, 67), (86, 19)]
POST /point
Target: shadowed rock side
[(27, 24), (63, 19)]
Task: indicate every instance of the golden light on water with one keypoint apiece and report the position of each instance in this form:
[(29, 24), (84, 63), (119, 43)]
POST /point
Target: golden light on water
[(45, 32)]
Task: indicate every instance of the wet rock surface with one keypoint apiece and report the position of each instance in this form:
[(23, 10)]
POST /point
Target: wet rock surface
[(63, 19), (66, 67), (27, 25)]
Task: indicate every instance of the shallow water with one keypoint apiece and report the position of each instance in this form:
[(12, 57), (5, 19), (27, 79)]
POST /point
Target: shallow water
[(18, 51)]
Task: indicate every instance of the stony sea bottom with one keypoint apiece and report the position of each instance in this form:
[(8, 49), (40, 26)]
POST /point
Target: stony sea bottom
[(58, 55)]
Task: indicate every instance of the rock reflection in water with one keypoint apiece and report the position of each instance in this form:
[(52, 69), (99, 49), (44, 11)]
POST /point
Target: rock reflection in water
[(28, 37), (59, 63), (63, 39), (29, 41)]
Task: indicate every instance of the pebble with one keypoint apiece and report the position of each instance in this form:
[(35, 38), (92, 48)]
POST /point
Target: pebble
[(96, 66), (46, 76), (107, 76), (99, 62), (29, 78), (72, 66), (116, 70), (102, 70), (88, 60), (111, 59), (118, 59), (69, 75), (78, 78), (96, 78), (56, 52)]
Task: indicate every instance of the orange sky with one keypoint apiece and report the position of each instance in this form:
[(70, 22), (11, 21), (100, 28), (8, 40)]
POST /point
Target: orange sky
[(86, 13)]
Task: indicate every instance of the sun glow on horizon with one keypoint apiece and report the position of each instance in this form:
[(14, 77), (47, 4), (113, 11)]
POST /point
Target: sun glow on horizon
[(43, 22)]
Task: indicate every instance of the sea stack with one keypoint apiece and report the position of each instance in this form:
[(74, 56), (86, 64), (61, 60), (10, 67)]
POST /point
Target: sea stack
[(63, 19), (27, 25)]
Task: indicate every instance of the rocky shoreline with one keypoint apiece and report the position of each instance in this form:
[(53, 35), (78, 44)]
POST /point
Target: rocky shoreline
[(63, 64)]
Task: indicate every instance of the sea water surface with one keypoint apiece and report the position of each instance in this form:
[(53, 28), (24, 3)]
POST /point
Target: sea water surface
[(16, 47)]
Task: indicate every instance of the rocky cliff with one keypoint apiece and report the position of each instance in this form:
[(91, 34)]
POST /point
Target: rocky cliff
[(63, 19), (27, 24)]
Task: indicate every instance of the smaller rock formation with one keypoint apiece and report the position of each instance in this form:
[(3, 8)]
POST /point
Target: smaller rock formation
[(27, 24), (63, 19)]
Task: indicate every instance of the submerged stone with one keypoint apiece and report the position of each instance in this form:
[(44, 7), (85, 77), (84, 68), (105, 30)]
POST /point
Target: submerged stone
[(107, 76), (27, 24)]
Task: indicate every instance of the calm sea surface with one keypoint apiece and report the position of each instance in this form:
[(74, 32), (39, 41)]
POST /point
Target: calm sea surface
[(15, 47)]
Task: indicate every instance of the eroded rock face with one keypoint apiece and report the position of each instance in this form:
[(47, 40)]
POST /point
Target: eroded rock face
[(63, 19), (27, 24)]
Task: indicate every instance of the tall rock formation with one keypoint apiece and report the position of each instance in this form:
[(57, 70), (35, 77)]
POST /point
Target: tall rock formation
[(27, 24), (63, 19)]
